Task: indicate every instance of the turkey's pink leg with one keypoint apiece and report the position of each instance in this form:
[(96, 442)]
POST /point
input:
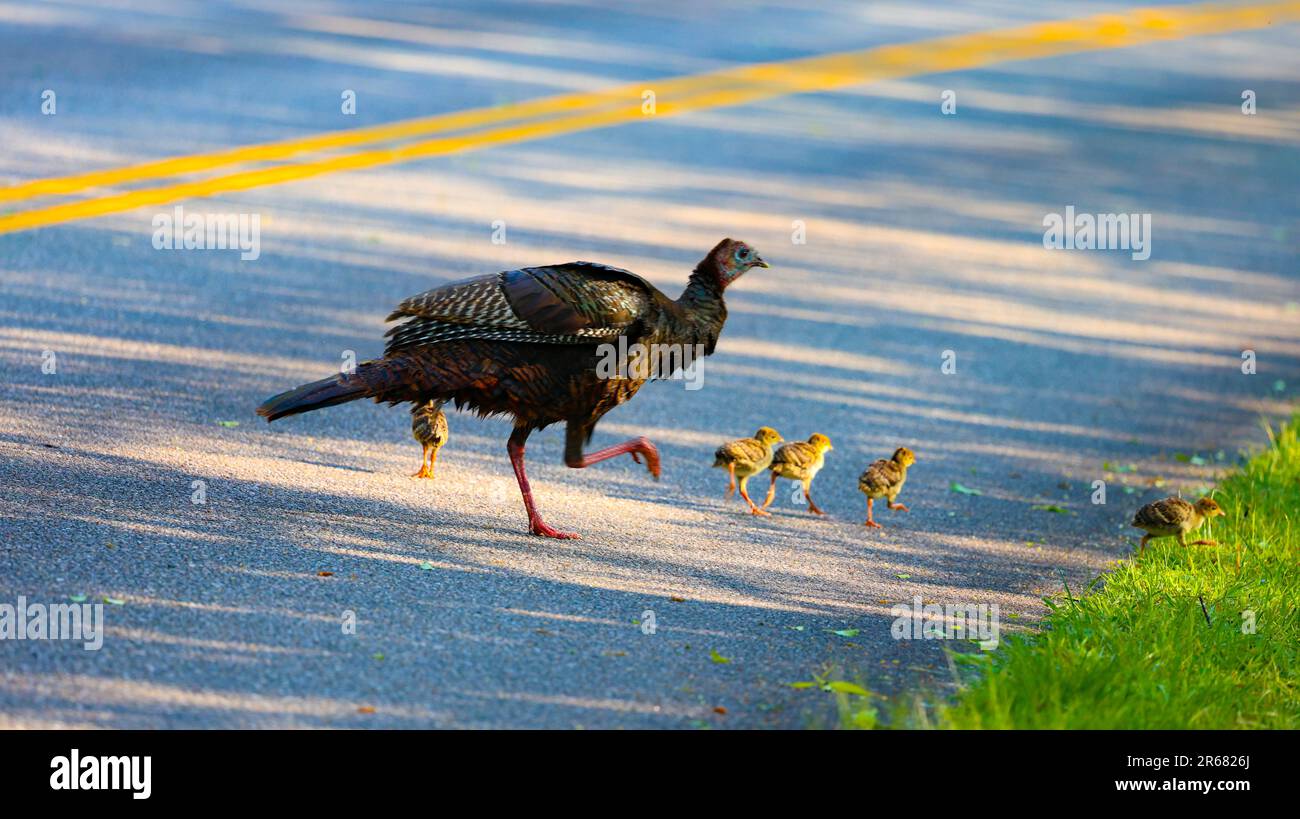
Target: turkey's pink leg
[(636, 447), (535, 523)]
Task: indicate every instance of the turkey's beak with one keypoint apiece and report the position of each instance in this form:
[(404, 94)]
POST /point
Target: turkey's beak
[(758, 262)]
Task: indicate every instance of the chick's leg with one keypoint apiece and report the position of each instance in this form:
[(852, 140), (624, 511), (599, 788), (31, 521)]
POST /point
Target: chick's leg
[(731, 481), (771, 492), (424, 464), (1142, 546), (897, 507), (1182, 539), (744, 493), (535, 523), (871, 523), (812, 507)]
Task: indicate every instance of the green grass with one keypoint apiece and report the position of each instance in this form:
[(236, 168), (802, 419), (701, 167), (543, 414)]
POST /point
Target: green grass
[(1138, 651)]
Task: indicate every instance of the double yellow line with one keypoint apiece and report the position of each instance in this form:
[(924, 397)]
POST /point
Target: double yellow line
[(303, 158)]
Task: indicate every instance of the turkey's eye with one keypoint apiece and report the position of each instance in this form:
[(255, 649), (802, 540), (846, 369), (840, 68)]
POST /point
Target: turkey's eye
[(741, 253)]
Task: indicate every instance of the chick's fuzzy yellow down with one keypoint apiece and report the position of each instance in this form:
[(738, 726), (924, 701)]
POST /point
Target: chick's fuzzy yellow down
[(800, 461), (745, 458)]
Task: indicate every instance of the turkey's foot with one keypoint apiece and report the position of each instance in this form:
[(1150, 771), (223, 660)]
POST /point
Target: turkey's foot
[(643, 446), (541, 528), (638, 448)]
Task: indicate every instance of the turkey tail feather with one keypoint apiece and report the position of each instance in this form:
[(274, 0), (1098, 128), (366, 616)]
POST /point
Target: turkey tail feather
[(324, 393), (387, 379)]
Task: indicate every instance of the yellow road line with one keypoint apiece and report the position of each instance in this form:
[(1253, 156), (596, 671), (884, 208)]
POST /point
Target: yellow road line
[(282, 150), (482, 128)]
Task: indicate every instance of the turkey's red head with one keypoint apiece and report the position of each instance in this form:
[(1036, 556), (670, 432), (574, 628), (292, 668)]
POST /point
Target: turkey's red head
[(732, 258)]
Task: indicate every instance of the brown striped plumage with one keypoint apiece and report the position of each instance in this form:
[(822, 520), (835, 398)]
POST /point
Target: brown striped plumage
[(746, 457), (525, 344), (429, 427), (564, 304), (1175, 517), (885, 479), (800, 461)]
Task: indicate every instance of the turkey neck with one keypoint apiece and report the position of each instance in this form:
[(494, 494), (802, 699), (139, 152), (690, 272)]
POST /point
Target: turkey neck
[(699, 313)]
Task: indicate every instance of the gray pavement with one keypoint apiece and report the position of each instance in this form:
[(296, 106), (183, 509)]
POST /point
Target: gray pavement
[(924, 235)]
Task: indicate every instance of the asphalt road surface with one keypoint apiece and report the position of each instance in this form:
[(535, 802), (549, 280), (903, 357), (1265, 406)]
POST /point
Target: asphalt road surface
[(126, 368)]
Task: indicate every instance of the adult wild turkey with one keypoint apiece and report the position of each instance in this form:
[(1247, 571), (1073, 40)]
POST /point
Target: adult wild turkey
[(526, 344)]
